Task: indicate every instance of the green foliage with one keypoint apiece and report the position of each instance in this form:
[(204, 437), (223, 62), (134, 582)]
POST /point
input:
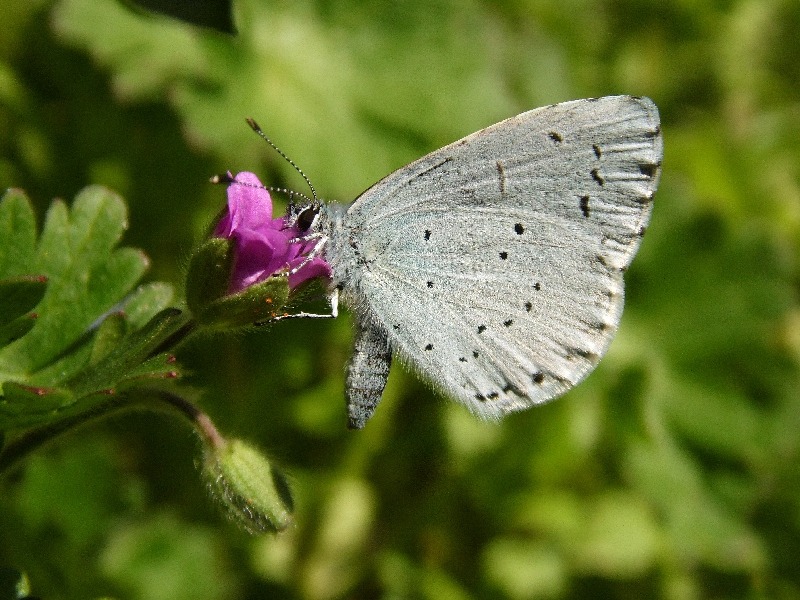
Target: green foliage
[(60, 366), (671, 472)]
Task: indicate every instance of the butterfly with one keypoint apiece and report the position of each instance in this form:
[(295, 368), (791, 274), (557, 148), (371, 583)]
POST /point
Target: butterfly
[(493, 267)]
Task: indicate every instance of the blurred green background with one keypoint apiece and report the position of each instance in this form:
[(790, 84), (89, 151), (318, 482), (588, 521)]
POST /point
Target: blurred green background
[(671, 472)]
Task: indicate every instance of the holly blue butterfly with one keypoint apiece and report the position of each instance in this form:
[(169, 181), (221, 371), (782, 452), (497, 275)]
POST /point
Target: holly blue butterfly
[(493, 266)]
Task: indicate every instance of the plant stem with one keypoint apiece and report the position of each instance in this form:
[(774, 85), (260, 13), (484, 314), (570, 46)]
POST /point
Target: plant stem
[(201, 421), (154, 399), (34, 438)]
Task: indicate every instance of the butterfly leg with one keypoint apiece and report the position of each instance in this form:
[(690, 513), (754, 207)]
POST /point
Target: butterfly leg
[(333, 300), (367, 373), (319, 239)]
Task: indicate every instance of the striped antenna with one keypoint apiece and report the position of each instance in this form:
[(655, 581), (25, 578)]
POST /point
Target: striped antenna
[(227, 178), (254, 126)]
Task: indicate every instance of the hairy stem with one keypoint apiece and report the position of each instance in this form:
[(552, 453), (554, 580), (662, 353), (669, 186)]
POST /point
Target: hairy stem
[(156, 400)]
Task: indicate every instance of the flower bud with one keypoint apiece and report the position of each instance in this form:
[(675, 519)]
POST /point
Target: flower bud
[(209, 274), (258, 303), (254, 493)]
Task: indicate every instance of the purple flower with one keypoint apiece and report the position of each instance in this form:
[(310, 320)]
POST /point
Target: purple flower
[(263, 244)]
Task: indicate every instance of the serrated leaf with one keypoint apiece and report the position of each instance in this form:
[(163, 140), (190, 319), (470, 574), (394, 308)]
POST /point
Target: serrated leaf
[(129, 354), (87, 277), (17, 234), (16, 329), (24, 406), (160, 367), (146, 301), (19, 295), (110, 333)]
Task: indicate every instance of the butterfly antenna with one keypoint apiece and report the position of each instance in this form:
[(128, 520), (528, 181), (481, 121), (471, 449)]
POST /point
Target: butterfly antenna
[(228, 178), (254, 126)]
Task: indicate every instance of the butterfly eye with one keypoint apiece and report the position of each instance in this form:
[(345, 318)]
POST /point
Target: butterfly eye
[(306, 217)]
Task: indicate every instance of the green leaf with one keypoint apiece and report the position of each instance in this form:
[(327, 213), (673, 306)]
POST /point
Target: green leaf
[(159, 557), (160, 367), (87, 276), (127, 357), (110, 333), (146, 301), (16, 329), (216, 14), (69, 338), (25, 406), (153, 52), (19, 295), (17, 234)]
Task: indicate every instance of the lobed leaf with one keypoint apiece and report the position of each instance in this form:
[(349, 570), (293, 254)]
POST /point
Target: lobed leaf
[(87, 277), (17, 234), (19, 295), (128, 355)]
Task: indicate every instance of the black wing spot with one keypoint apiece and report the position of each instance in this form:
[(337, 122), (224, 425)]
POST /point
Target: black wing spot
[(462, 359), (430, 284), (395, 327), (556, 137), (475, 354), (480, 397), (508, 323), (642, 231), (537, 286), (602, 260), (427, 234), (585, 206), (493, 396), (519, 229), (538, 377), (595, 173), (481, 328), (597, 152), (528, 307), (655, 133), (429, 347), (583, 353), (504, 255), (507, 388), (648, 169)]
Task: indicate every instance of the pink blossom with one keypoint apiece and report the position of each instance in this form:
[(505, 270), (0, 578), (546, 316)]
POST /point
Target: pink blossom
[(264, 245)]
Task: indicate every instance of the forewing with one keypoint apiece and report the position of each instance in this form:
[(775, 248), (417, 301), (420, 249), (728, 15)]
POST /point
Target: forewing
[(495, 264)]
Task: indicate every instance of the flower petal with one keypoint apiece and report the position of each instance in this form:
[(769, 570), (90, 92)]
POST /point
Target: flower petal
[(249, 206), (259, 254)]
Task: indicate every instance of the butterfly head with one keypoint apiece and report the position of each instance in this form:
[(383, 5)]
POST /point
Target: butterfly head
[(303, 217)]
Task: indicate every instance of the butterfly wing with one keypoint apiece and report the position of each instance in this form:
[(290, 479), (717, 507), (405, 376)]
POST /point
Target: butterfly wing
[(494, 265)]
